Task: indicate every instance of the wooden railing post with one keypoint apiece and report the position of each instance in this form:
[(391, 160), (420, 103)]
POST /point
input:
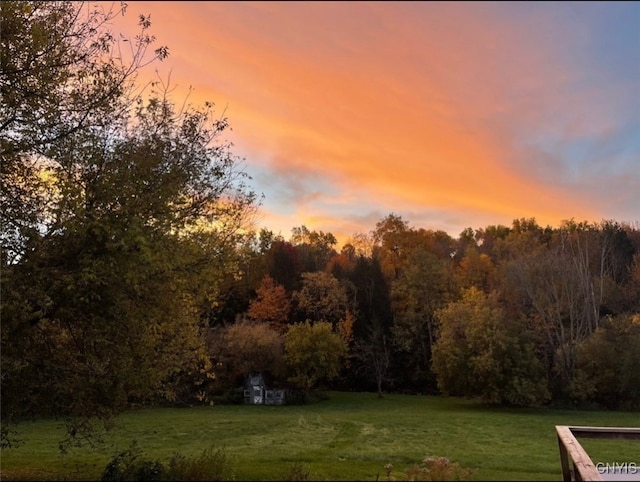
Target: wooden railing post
[(583, 468), (574, 460), (564, 461)]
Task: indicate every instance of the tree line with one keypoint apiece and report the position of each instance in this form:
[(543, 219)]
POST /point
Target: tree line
[(519, 315), (131, 273)]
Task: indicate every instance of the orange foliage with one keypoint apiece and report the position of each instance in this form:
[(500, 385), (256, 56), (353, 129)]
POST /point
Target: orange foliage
[(272, 305)]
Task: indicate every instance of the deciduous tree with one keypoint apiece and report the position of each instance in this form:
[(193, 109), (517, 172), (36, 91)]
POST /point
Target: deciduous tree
[(283, 264), (608, 364), (60, 73), (425, 285), (559, 281), (246, 347), (321, 298), (271, 305), (315, 248), (477, 270), (480, 353), (136, 226), (314, 352)]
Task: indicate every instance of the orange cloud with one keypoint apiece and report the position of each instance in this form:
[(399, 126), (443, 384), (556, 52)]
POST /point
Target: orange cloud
[(397, 107)]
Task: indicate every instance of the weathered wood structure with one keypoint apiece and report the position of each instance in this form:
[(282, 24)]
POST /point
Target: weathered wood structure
[(576, 463), (259, 389)]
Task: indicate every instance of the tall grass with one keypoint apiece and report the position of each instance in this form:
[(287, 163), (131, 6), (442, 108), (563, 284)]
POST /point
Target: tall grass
[(350, 436)]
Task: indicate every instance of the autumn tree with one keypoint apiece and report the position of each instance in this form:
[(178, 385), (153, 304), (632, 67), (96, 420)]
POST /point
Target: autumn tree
[(476, 269), (390, 244), (395, 241), (486, 238), (369, 294), (313, 352), (608, 364), (560, 282), (480, 353), (60, 74), (265, 239), (613, 260), (137, 221), (283, 264), (124, 265), (271, 305), (363, 244), (245, 347), (466, 240), (341, 265), (425, 285), (315, 248), (321, 298), (238, 291)]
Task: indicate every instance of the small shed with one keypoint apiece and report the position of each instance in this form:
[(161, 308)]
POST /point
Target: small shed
[(259, 389)]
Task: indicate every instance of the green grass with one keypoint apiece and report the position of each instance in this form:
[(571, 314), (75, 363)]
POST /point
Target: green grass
[(351, 436)]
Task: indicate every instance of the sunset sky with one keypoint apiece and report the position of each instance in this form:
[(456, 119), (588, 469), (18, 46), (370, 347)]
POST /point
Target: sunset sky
[(451, 115)]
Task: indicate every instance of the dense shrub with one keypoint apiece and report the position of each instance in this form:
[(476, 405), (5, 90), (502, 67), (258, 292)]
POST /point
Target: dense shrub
[(130, 465)]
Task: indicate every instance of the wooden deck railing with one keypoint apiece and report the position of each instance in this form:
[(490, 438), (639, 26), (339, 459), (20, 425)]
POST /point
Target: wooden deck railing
[(574, 460)]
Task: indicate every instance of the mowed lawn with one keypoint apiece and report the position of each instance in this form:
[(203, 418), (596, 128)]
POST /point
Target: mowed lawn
[(349, 436)]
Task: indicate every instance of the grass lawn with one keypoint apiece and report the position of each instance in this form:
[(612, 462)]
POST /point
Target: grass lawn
[(350, 436)]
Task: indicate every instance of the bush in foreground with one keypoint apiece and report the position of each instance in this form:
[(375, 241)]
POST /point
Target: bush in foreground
[(433, 468), (211, 464)]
